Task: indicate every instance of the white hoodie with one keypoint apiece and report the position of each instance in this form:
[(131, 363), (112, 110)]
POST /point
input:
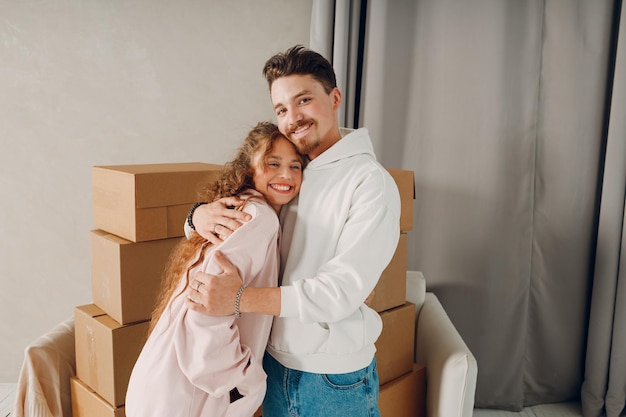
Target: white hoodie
[(338, 237)]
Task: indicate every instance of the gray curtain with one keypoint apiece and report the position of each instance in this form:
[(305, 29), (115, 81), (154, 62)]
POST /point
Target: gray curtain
[(604, 387), (337, 34), (501, 108)]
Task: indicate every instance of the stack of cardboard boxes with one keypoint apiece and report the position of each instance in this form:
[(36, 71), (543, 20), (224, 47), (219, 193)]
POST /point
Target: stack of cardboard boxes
[(138, 214), (402, 383)]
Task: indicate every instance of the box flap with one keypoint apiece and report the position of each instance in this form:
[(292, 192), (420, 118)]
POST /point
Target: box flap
[(405, 180), (152, 185)]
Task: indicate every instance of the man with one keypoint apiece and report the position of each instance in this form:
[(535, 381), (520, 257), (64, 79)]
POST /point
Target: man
[(337, 239)]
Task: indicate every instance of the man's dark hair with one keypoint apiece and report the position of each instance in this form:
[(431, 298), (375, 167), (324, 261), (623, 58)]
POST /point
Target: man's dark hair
[(301, 61)]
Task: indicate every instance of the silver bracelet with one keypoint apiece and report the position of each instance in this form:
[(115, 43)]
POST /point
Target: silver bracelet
[(237, 298)]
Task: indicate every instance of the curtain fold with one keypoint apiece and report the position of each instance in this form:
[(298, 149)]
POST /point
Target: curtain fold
[(323, 27), (336, 33), (499, 109), (604, 386)]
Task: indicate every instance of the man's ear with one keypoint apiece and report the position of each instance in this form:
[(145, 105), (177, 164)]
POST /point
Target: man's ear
[(336, 98)]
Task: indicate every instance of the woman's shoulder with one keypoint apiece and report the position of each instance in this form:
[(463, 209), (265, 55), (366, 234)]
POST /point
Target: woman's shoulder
[(258, 207)]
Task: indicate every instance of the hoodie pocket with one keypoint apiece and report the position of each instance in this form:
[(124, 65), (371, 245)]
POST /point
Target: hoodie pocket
[(360, 329)]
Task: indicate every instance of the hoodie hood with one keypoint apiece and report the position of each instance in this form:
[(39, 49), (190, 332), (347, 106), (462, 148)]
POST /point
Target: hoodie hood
[(353, 142)]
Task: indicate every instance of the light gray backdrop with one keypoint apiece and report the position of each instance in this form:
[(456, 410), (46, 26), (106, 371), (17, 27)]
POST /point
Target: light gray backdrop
[(94, 82)]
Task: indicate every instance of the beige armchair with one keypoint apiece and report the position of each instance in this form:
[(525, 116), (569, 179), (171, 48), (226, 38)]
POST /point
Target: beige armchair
[(451, 369), (43, 387)]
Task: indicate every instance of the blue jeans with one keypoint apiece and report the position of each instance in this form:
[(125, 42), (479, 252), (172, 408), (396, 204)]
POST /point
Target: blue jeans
[(292, 393)]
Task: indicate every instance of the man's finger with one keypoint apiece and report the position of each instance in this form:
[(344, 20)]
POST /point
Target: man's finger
[(223, 262), (198, 280), (212, 237), (234, 218), (226, 227), (232, 201), (193, 304)]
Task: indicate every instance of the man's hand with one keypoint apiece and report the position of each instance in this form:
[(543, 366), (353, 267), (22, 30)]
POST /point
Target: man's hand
[(216, 221), (215, 294)]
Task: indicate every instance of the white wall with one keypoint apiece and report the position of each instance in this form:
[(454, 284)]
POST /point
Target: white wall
[(94, 82)]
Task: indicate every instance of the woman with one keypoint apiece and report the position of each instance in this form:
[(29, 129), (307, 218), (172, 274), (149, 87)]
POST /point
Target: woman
[(196, 365)]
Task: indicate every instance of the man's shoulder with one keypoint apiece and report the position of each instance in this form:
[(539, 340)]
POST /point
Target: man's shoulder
[(367, 164), (371, 173)]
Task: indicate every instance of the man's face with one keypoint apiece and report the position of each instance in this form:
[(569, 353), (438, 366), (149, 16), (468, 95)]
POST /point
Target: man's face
[(306, 114)]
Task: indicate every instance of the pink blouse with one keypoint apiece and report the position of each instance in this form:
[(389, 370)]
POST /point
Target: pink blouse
[(192, 361)]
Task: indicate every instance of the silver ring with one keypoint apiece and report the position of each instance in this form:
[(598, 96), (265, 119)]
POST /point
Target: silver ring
[(198, 283), (213, 228)]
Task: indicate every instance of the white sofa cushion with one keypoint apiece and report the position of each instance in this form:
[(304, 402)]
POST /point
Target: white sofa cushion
[(451, 369), (415, 289)]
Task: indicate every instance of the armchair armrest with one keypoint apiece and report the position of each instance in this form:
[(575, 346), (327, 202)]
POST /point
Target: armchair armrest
[(43, 387), (451, 369)]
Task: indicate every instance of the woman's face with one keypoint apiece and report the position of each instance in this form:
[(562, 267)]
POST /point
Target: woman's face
[(279, 177)]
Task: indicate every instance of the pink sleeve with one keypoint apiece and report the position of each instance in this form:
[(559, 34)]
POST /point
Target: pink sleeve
[(209, 349), (210, 355)]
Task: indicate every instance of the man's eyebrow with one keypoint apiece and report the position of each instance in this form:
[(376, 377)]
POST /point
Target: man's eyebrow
[(294, 97), (302, 93)]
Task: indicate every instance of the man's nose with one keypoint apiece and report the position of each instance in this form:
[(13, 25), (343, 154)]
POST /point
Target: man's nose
[(295, 117)]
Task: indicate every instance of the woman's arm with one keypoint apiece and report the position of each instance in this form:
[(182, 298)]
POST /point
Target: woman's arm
[(210, 349), (210, 355)]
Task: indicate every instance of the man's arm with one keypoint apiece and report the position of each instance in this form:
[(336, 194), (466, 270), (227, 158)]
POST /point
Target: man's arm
[(216, 221), (215, 294)]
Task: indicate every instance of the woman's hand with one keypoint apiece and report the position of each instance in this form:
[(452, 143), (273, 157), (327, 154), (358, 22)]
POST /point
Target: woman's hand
[(216, 221)]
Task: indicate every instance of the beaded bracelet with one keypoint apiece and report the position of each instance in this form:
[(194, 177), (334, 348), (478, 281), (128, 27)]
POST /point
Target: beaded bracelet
[(237, 298), (190, 214)]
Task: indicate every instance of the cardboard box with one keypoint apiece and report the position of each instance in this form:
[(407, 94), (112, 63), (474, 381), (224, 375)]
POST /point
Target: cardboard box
[(404, 396), (396, 343), (405, 180), (126, 276), (87, 403), (147, 202), (106, 351), (390, 291)]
